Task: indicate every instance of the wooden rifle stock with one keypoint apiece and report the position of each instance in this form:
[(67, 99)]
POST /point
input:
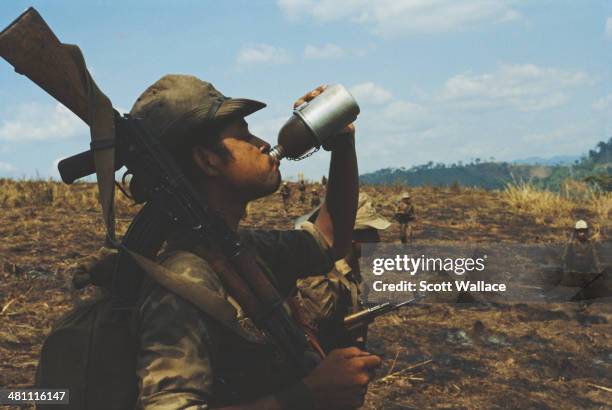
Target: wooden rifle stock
[(30, 46)]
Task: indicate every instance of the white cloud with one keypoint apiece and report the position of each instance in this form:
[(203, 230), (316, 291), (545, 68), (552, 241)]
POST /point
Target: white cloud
[(370, 93), (325, 52), (603, 104), (7, 168), (37, 122), (395, 17), (262, 54), (573, 137), (453, 120), (404, 112), (456, 116), (608, 29), (401, 119), (527, 87), (383, 130)]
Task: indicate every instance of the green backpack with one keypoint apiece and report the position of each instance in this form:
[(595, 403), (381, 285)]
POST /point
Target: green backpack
[(92, 352)]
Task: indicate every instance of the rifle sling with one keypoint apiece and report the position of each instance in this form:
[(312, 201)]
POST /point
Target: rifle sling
[(215, 306), (139, 247)]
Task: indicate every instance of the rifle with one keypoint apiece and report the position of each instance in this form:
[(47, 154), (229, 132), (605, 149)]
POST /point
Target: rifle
[(356, 322), (172, 203)]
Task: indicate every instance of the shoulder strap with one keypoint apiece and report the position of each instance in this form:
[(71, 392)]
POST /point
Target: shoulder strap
[(215, 306)]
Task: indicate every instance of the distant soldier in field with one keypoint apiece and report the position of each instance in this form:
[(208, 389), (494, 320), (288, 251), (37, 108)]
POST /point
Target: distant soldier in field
[(315, 199), (327, 299), (285, 192), (324, 180), (582, 267), (405, 215), (302, 189)]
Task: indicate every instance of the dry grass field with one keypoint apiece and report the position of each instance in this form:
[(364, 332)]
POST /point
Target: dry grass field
[(531, 356)]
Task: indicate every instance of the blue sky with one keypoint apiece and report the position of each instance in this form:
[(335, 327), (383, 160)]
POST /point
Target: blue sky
[(437, 80)]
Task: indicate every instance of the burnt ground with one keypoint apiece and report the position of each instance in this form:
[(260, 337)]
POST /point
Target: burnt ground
[(442, 356)]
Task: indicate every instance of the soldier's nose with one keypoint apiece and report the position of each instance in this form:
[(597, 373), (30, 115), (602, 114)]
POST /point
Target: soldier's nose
[(264, 148), (262, 145)]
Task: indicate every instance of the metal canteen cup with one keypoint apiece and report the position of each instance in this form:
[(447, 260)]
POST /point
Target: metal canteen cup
[(314, 121)]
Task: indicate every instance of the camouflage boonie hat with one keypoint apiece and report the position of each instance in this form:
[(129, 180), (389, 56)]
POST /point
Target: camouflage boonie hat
[(405, 195), (581, 225), (366, 218), (176, 102)]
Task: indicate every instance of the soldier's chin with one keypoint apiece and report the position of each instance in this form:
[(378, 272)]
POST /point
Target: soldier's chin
[(277, 179), (270, 186)]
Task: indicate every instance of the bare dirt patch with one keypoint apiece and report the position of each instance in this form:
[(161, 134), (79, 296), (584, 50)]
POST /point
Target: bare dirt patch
[(532, 356)]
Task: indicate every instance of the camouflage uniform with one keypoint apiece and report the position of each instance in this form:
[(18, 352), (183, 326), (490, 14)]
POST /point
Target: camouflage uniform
[(286, 195), (315, 200), (327, 299), (302, 189), (405, 215), (187, 360), (581, 266)]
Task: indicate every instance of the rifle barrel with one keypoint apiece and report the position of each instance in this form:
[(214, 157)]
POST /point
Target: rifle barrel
[(404, 303), (368, 315)]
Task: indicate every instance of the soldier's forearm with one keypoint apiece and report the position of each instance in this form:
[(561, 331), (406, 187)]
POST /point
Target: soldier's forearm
[(337, 216)]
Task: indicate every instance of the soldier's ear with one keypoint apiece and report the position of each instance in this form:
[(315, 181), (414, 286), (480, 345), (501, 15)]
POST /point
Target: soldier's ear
[(209, 162)]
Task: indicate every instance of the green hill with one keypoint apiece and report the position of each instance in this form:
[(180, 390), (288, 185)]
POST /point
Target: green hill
[(595, 168)]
